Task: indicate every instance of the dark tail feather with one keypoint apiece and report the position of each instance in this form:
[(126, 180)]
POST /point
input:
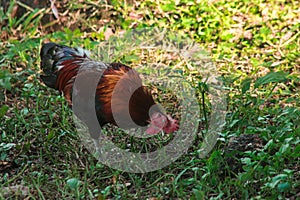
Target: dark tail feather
[(47, 64), (52, 58)]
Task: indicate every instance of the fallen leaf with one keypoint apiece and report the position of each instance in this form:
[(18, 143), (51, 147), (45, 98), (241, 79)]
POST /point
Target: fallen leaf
[(114, 180), (248, 35), (54, 9), (287, 36), (108, 32), (134, 15), (19, 190), (277, 63), (127, 184)]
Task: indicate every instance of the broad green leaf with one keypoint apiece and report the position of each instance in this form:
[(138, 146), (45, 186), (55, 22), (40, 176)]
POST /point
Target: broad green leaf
[(246, 85), (279, 177), (284, 148), (73, 183), (5, 77), (272, 77), (283, 187), (7, 146), (3, 111), (276, 179), (131, 58), (198, 194), (168, 7)]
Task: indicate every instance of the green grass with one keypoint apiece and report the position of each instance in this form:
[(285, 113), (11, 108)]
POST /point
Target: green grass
[(255, 46)]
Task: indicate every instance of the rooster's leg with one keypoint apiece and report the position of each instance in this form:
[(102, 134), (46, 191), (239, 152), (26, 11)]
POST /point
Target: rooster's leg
[(97, 146)]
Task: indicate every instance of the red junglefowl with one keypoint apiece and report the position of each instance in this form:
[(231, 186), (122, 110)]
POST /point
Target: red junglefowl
[(60, 65)]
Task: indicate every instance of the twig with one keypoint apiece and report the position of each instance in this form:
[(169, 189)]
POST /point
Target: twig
[(25, 6), (15, 177)]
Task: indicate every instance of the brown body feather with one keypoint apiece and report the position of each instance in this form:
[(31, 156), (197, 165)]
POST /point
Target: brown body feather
[(119, 90), (140, 100)]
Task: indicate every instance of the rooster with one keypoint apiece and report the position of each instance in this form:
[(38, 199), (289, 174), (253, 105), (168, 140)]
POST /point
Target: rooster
[(60, 65)]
